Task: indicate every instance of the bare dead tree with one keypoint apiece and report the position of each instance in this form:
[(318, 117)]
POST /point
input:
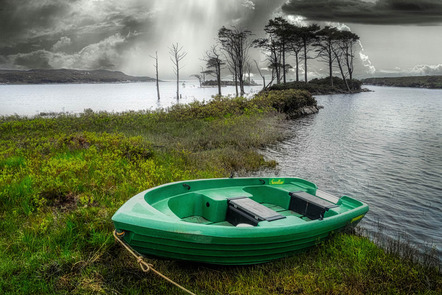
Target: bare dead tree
[(176, 55), (199, 77), (156, 72)]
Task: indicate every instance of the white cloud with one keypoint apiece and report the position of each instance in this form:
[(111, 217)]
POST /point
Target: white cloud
[(366, 62), (62, 44), (248, 4), (427, 70)]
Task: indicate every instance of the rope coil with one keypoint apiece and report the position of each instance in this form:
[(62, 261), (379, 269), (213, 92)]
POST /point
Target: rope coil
[(145, 267)]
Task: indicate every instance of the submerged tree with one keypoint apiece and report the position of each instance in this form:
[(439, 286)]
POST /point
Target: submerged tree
[(176, 55), (156, 73)]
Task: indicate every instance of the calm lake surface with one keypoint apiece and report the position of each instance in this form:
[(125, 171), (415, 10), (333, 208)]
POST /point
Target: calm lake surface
[(382, 147), (31, 100)]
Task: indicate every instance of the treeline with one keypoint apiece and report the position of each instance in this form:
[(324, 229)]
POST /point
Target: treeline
[(329, 45), (433, 82)]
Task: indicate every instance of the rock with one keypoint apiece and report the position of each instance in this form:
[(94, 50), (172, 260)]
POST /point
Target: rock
[(305, 111)]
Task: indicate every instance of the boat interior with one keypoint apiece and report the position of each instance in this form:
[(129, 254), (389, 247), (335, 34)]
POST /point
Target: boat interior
[(249, 205)]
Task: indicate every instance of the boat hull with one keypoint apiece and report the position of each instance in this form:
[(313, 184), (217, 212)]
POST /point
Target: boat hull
[(154, 226)]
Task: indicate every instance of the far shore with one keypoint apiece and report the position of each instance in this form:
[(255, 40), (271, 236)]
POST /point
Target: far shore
[(430, 82)]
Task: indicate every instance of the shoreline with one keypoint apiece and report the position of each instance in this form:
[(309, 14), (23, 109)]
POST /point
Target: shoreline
[(64, 177)]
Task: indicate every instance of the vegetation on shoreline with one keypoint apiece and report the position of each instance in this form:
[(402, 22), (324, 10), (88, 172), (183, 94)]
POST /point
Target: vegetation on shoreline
[(62, 178), (322, 86), (432, 82)]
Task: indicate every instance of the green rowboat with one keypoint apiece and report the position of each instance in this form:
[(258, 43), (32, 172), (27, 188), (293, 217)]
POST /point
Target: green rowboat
[(233, 221)]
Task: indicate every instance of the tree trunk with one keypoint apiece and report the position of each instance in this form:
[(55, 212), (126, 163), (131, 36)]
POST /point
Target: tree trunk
[(218, 78), (283, 64), (178, 83), (342, 72), (156, 70), (305, 61), (330, 67)]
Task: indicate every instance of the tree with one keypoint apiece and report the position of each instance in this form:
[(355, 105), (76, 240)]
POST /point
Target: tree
[(307, 36), (327, 42), (156, 72), (279, 31), (176, 55), (262, 76), (347, 42), (296, 45), (214, 64), (236, 45), (199, 77), (271, 51)]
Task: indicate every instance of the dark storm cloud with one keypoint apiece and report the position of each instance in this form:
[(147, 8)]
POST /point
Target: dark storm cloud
[(112, 33), (23, 19), (59, 33), (387, 12)]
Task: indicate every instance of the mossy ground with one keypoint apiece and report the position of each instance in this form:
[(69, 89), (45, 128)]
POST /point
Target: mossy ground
[(62, 178)]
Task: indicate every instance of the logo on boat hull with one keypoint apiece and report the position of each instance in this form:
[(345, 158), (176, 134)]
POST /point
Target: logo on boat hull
[(276, 181), (357, 218)]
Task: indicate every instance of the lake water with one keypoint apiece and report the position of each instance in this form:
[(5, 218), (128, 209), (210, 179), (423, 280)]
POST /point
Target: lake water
[(382, 147), (31, 100)]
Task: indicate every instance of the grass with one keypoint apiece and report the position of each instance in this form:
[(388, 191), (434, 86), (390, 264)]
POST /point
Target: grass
[(62, 178)]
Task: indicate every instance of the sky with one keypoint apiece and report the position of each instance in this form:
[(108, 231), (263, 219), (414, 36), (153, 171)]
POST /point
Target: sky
[(398, 37)]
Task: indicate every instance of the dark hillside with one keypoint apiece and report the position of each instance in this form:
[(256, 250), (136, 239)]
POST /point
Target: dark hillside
[(66, 76), (434, 82)]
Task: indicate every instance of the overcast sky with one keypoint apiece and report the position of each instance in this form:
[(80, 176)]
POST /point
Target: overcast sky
[(397, 36)]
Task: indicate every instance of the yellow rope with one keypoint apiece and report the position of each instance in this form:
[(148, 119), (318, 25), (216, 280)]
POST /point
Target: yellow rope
[(146, 267)]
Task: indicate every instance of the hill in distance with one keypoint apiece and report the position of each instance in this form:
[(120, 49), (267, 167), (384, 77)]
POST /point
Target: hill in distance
[(67, 76), (432, 82)]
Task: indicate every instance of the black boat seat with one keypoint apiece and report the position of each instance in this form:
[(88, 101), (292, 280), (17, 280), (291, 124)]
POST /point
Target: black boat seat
[(309, 205), (246, 210)]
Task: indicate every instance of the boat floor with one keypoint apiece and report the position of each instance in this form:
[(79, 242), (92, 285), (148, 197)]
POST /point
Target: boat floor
[(280, 210)]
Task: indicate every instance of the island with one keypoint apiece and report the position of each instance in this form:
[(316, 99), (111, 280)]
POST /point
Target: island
[(51, 76)]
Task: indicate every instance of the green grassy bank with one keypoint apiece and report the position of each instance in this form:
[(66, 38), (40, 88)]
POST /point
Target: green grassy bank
[(62, 178)]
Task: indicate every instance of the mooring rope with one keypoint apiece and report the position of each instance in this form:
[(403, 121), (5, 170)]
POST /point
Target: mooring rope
[(146, 267)]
